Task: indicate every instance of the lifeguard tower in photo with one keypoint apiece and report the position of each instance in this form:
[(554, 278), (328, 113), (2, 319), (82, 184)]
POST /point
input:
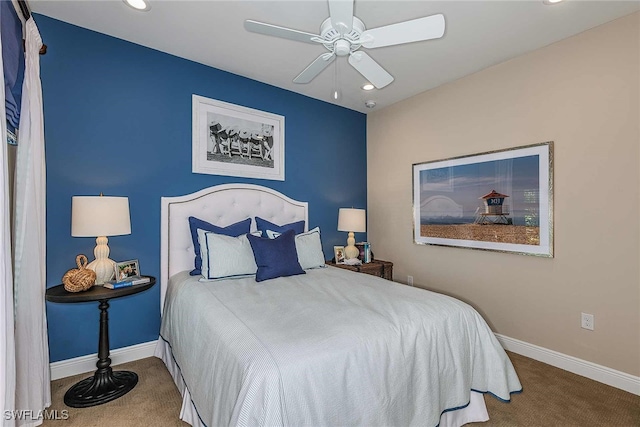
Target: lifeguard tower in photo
[(495, 210)]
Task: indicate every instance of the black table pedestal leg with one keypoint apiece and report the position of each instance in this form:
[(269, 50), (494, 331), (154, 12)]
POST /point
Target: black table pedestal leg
[(105, 385)]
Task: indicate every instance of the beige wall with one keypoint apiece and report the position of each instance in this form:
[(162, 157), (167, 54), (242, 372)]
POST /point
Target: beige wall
[(583, 94)]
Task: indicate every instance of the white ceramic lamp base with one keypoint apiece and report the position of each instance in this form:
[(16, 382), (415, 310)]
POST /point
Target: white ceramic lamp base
[(102, 265), (351, 251)]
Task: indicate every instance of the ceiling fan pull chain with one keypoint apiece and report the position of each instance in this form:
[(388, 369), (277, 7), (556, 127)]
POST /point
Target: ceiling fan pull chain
[(336, 93)]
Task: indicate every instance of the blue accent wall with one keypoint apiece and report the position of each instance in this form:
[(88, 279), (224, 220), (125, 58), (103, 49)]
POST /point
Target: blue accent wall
[(118, 121)]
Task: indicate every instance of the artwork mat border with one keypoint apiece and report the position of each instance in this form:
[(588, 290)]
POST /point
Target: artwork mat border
[(199, 135), (546, 248)]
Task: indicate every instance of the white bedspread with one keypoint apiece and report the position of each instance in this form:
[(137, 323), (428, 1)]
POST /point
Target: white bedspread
[(331, 347)]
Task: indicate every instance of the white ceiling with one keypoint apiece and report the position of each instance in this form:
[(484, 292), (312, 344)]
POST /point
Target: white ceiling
[(478, 34)]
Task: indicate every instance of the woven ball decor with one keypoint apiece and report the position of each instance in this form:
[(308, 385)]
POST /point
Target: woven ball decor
[(81, 278)]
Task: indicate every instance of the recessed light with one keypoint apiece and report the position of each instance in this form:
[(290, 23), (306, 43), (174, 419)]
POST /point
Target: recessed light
[(368, 86), (141, 5), (551, 1)]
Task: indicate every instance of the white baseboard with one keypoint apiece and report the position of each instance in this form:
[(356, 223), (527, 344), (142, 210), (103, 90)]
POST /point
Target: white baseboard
[(83, 364), (587, 369)]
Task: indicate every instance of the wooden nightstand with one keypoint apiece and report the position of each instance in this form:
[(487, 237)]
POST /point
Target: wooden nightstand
[(376, 267)]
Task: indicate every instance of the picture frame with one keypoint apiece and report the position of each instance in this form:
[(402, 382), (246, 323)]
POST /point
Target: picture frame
[(232, 140), (499, 201), (338, 253), (126, 269)]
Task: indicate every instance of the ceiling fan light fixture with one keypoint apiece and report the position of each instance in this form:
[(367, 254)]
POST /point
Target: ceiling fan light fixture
[(141, 5), (368, 86), (343, 34)]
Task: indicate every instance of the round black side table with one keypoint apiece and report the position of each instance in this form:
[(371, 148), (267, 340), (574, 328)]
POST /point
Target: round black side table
[(105, 385)]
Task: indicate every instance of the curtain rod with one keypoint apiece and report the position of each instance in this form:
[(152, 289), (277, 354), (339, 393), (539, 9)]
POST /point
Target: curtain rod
[(26, 14)]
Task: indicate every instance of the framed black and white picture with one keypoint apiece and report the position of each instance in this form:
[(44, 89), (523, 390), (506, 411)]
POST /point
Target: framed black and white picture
[(232, 140)]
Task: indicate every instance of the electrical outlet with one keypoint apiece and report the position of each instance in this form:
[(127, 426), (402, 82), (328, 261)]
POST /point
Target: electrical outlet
[(410, 280), (587, 321)]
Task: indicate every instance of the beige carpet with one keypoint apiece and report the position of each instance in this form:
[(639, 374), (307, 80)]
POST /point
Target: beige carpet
[(155, 401), (551, 397), (554, 397)]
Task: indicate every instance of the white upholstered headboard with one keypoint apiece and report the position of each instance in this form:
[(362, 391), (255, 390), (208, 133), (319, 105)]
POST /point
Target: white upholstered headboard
[(221, 205)]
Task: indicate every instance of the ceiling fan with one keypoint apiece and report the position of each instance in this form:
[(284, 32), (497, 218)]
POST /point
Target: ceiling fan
[(343, 34)]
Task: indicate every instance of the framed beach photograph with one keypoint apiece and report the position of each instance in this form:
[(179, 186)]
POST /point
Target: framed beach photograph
[(500, 201), (232, 140), (338, 252), (127, 269)]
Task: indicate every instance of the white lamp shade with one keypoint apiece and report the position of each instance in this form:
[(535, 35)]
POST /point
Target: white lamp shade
[(350, 219), (94, 216)]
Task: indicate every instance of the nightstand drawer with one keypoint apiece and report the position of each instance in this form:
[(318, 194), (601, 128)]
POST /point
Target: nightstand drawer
[(376, 267)]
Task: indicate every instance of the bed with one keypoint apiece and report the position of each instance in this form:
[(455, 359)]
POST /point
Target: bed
[(323, 348)]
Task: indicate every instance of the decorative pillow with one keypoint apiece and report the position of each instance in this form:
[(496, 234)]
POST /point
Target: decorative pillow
[(263, 225), (225, 256), (275, 257), (234, 230), (308, 248)]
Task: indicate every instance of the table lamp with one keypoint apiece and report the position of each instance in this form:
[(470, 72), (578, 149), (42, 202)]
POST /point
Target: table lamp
[(352, 220), (100, 216)]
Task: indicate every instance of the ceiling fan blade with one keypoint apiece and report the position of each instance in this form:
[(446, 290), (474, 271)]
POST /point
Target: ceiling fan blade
[(315, 68), (276, 31), (370, 69), (341, 12), (427, 28)]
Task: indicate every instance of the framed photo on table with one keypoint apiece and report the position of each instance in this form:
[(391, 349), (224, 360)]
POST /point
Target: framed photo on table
[(127, 269), (338, 253)]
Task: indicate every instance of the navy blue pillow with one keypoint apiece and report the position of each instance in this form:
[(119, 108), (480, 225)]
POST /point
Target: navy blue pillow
[(233, 230), (275, 257), (264, 225)]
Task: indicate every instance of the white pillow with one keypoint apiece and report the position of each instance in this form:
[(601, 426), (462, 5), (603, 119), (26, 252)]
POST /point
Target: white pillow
[(309, 249), (225, 256)]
